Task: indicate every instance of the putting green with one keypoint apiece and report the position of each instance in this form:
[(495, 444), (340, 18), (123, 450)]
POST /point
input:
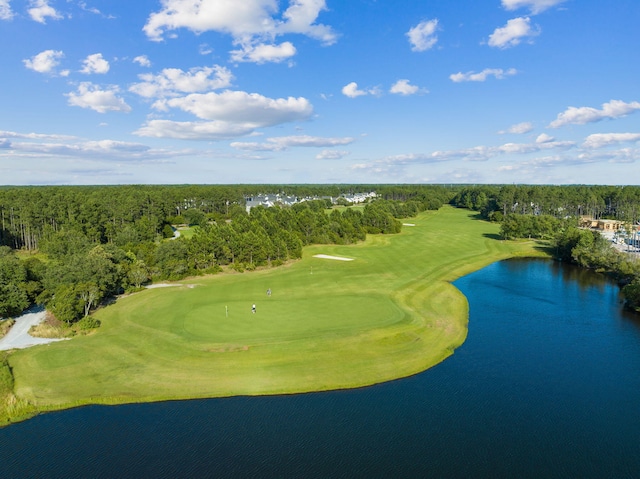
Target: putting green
[(389, 313)]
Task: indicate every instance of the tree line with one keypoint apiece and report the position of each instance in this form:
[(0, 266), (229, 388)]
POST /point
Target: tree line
[(494, 202), (96, 242), (552, 213)]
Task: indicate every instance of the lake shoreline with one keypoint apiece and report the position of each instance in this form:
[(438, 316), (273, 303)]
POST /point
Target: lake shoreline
[(454, 326)]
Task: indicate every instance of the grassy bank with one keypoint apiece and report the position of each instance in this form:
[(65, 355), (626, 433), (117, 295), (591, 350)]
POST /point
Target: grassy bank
[(389, 313)]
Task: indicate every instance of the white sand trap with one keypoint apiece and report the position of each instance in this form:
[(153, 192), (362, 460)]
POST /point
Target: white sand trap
[(326, 256), (408, 224), (168, 285), (18, 336)]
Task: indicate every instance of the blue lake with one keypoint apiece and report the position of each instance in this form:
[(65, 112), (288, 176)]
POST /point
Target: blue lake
[(546, 385)]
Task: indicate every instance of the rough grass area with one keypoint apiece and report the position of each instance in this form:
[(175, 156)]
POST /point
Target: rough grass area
[(5, 326), (390, 313), (11, 408), (50, 328)]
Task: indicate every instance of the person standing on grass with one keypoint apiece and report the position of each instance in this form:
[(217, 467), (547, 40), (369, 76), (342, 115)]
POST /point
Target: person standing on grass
[(253, 309), (269, 292)]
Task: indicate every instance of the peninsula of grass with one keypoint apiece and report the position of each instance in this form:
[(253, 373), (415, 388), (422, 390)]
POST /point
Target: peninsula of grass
[(390, 313)]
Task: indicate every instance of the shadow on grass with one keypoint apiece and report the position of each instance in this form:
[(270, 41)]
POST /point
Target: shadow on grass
[(541, 246), (493, 236)]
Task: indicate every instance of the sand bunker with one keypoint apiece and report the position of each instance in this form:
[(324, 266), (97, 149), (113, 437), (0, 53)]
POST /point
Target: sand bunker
[(408, 224), (326, 256)]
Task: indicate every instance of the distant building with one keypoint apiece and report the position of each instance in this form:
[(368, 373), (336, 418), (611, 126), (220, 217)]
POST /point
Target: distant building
[(269, 200), (610, 225), (602, 225), (277, 199)]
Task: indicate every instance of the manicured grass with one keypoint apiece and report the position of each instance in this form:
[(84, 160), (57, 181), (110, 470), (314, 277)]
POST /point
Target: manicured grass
[(328, 324), (187, 231)]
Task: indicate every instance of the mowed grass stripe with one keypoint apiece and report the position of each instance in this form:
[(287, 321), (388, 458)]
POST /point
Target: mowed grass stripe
[(328, 324)]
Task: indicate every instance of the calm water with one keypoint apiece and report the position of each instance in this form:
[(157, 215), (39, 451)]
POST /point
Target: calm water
[(546, 385)]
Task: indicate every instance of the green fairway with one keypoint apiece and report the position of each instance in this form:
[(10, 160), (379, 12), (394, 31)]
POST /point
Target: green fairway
[(389, 313)]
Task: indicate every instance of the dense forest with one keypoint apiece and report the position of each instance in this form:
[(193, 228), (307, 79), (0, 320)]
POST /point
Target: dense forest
[(70, 248), (80, 245)]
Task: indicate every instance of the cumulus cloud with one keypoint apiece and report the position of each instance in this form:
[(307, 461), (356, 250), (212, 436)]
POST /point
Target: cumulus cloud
[(142, 60), (41, 10), (5, 10), (512, 33), (518, 129), (544, 138), (352, 91), (583, 115), (44, 62), (535, 6), (243, 107), (263, 53), (173, 81), (498, 73), (95, 64), (599, 140), (402, 87), (285, 142), (423, 36), (251, 25), (229, 114), (95, 98)]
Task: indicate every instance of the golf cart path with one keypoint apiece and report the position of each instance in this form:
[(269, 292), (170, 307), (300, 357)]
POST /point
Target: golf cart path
[(18, 336)]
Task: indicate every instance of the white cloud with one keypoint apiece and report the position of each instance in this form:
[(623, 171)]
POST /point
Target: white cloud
[(583, 115), (255, 146), (95, 64), (44, 62), (41, 10), (205, 49), (5, 10), (332, 154), (473, 154), (300, 17), (281, 143), (173, 81), (599, 140), (242, 107), (544, 138), (402, 87), (518, 129), (498, 73), (536, 6), (69, 147), (34, 136), (92, 96), (195, 130), (252, 24), (263, 53), (229, 114), (142, 60), (512, 33), (423, 36), (352, 91)]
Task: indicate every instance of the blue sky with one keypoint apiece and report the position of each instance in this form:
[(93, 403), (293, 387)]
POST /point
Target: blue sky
[(319, 91)]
